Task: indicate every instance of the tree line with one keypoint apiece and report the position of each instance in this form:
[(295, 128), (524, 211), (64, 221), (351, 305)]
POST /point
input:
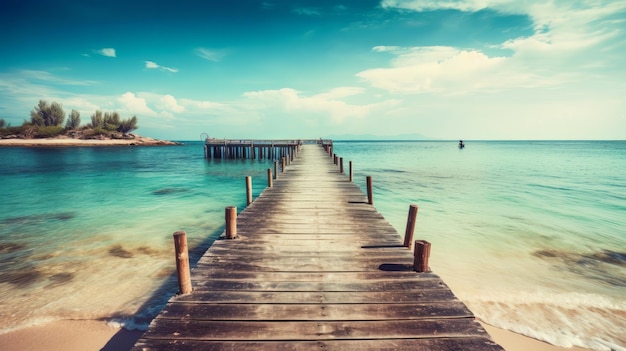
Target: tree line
[(48, 120)]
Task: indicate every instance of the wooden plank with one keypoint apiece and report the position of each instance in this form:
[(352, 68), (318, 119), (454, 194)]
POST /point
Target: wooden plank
[(349, 297), (214, 285), (161, 328), (435, 344), (330, 277), (315, 311)]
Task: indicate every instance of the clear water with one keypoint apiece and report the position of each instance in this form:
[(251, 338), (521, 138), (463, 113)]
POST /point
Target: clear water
[(531, 235)]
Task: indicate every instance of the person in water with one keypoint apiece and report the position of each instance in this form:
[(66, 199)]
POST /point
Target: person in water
[(461, 145)]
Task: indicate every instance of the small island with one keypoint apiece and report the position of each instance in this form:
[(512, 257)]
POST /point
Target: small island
[(46, 128)]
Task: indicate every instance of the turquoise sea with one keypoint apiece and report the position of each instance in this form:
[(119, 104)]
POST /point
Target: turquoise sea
[(531, 235)]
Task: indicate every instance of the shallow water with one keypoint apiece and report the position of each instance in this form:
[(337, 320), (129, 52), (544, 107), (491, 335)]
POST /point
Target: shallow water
[(529, 234)]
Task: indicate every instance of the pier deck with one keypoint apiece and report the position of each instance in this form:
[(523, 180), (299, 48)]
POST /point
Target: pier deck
[(314, 267)]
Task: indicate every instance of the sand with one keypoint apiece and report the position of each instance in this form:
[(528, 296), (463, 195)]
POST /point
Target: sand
[(63, 142), (72, 335)]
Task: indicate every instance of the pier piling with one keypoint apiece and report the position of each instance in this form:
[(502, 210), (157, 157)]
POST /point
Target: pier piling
[(421, 255), (370, 193), (230, 217), (248, 190), (182, 262), (410, 226)]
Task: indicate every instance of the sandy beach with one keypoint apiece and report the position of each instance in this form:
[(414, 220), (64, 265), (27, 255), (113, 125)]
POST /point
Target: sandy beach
[(73, 335), (67, 142)]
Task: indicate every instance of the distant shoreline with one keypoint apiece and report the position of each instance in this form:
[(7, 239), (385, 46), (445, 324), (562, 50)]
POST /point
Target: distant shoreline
[(72, 142)]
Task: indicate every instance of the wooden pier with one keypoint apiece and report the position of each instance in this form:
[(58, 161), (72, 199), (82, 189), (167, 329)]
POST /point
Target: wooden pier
[(314, 267), (252, 149)]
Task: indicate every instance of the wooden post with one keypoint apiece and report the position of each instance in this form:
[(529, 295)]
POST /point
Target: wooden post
[(410, 226), (182, 262), (350, 171), (421, 254), (370, 194), (282, 170), (275, 169), (335, 159), (341, 165), (269, 178), (249, 190), (231, 222)]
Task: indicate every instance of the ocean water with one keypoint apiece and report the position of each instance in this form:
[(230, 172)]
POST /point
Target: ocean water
[(530, 235)]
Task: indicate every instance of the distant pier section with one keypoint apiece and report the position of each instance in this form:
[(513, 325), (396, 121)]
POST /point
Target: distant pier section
[(257, 148)]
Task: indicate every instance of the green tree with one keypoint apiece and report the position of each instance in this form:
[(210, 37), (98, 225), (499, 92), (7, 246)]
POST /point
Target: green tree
[(44, 115), (111, 121), (73, 121), (128, 125), (97, 120)]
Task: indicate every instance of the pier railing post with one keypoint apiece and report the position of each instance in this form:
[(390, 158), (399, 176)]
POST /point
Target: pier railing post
[(182, 262), (341, 165), (248, 190), (275, 169), (351, 171), (269, 178), (370, 193), (421, 255), (410, 226), (230, 216), (282, 169)]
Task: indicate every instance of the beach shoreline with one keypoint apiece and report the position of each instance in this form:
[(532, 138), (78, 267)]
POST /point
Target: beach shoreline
[(72, 142), (86, 335)]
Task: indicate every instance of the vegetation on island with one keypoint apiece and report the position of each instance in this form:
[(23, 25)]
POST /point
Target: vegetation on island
[(49, 121)]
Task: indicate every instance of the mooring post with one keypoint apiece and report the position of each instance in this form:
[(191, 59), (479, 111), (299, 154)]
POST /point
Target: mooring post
[(370, 194), (182, 262), (269, 178), (421, 255), (249, 190), (230, 216), (341, 165), (410, 226), (351, 171)]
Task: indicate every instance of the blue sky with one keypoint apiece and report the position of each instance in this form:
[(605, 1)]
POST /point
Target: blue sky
[(446, 69)]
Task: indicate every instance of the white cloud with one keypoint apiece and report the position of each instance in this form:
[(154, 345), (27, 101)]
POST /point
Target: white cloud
[(564, 48), (210, 54), (135, 105), (154, 65), (290, 101), (168, 102), (108, 52), (445, 70)]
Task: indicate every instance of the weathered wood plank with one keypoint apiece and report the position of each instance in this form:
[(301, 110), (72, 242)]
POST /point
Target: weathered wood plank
[(315, 311), (345, 297), (317, 330), (436, 344), (329, 277), (229, 285)]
